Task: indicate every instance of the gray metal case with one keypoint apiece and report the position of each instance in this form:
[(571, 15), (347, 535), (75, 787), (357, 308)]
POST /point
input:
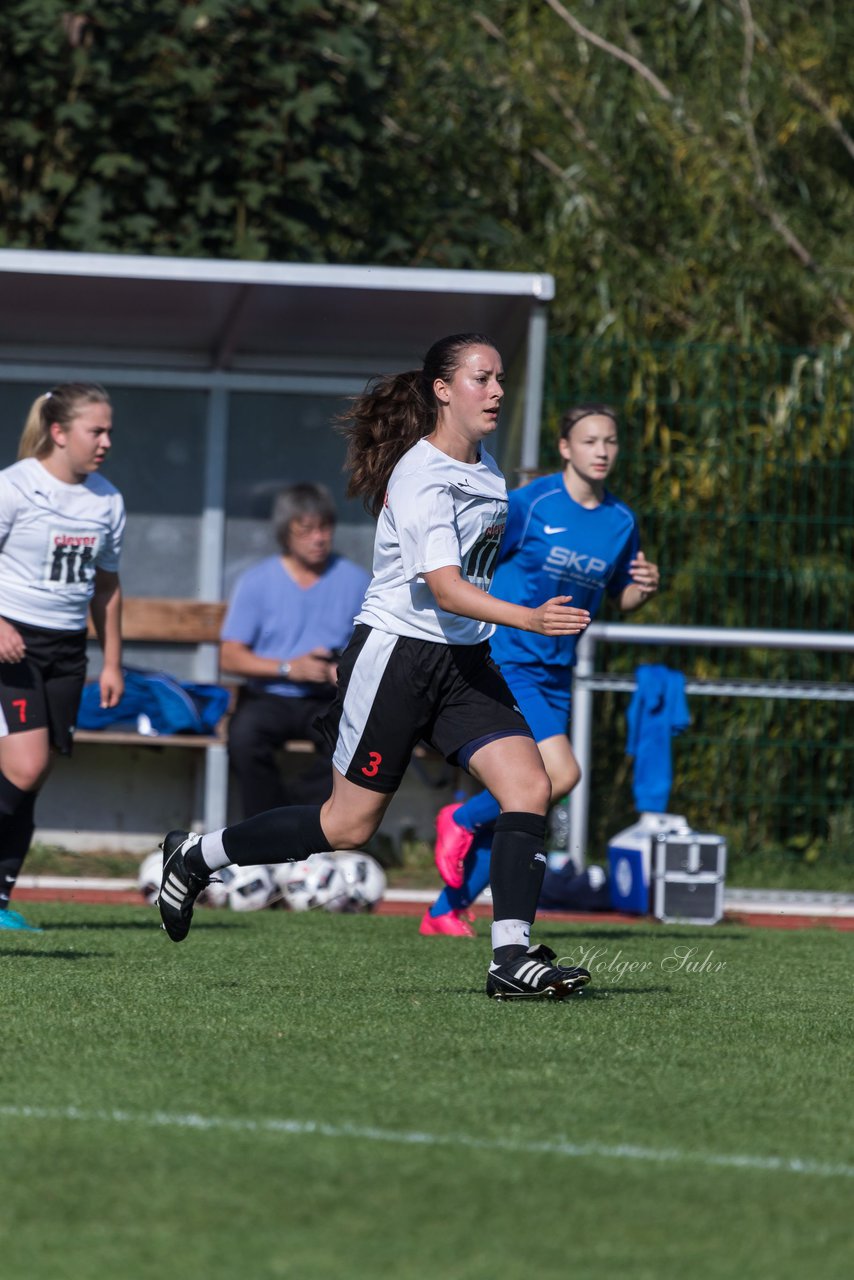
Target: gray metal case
[(688, 874)]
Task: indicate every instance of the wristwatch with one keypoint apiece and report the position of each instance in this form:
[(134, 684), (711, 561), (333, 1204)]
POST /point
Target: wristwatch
[(284, 669)]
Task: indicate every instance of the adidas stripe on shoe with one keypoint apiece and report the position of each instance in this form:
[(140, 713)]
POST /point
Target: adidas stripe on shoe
[(534, 976), (179, 886)]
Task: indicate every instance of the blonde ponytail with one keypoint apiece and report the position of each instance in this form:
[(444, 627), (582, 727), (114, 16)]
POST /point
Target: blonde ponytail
[(35, 441)]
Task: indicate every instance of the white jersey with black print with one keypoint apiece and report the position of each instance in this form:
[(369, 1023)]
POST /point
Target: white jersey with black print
[(53, 536), (437, 512)]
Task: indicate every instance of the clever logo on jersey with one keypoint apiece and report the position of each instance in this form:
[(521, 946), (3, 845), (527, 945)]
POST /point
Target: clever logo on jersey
[(563, 562), (71, 558)]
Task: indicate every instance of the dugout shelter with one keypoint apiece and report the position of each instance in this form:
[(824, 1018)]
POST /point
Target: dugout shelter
[(225, 377)]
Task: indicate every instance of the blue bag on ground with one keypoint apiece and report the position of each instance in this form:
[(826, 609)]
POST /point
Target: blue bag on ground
[(155, 703)]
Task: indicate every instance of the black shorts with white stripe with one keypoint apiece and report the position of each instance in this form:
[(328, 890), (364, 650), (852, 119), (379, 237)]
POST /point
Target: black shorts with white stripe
[(396, 691), (43, 690)]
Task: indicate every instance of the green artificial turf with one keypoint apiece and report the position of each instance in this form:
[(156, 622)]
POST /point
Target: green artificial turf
[(315, 1097)]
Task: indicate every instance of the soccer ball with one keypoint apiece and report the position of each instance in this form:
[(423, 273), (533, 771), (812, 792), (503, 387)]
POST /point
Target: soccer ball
[(216, 893), (365, 880), (250, 888), (316, 882), (150, 875)]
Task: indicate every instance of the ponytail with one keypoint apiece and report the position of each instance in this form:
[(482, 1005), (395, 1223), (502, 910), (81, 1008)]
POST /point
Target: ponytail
[(390, 417), (34, 438)]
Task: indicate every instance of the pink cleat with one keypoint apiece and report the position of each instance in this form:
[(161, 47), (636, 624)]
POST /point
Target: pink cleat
[(451, 923), (452, 844)]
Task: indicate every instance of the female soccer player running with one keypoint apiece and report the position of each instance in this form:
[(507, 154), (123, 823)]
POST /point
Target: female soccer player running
[(565, 532), (418, 664)]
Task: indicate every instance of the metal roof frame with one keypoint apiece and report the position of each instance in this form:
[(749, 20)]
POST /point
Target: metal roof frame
[(227, 326), (298, 327)]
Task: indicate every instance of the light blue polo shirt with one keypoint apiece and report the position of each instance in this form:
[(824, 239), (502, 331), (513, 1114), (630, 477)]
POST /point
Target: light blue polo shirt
[(276, 618)]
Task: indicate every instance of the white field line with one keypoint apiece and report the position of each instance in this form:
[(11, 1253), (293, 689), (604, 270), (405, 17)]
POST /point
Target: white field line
[(362, 1133)]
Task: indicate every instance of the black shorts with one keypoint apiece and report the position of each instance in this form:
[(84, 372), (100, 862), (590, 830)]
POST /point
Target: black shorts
[(43, 690), (394, 692)]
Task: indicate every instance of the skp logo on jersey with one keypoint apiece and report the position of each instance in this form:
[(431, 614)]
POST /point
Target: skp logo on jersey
[(564, 562)]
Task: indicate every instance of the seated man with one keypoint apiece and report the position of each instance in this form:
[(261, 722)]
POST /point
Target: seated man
[(287, 618)]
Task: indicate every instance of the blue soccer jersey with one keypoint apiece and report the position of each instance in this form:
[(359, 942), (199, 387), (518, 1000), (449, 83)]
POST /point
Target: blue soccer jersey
[(554, 547)]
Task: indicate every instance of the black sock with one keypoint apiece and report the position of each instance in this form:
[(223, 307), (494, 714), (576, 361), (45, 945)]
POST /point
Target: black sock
[(289, 834), (16, 833), (11, 797), (517, 868)]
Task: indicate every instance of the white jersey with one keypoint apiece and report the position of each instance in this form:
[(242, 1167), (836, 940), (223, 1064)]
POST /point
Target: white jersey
[(437, 512), (53, 536)]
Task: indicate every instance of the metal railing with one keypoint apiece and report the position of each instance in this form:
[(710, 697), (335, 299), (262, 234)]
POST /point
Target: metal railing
[(587, 681)]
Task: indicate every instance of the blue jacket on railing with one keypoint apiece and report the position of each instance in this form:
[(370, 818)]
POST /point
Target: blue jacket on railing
[(658, 710)]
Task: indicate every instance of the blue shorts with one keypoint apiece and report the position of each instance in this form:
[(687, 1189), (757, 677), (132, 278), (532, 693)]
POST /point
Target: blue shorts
[(543, 695)]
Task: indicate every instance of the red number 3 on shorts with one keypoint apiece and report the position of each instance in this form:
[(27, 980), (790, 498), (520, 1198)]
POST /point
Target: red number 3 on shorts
[(371, 770)]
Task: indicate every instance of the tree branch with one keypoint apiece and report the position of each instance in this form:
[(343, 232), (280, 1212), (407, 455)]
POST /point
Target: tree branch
[(744, 94), (809, 94), (605, 45), (775, 219)]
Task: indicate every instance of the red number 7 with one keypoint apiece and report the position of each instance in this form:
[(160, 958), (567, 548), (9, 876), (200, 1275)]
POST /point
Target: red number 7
[(21, 704)]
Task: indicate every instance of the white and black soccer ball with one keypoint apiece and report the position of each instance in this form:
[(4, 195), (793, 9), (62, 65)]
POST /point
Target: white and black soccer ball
[(316, 883), (150, 875), (365, 880), (216, 893), (250, 888)]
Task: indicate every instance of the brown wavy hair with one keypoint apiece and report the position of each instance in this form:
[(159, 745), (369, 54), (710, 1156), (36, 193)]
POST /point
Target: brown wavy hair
[(393, 413), (61, 404)]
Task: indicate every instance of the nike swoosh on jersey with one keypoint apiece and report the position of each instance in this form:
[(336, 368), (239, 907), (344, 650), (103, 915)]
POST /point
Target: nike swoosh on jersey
[(549, 528)]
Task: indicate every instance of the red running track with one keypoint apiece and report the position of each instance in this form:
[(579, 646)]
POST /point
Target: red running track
[(763, 920)]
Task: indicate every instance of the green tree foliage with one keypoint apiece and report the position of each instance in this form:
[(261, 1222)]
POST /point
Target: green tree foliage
[(683, 168), (217, 128)]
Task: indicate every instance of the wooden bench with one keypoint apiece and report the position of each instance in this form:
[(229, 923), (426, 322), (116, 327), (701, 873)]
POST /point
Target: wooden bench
[(175, 621), (161, 620)]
